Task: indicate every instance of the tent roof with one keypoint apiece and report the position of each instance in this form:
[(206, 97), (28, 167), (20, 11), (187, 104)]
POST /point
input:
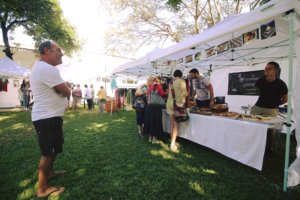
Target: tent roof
[(237, 26), (11, 69)]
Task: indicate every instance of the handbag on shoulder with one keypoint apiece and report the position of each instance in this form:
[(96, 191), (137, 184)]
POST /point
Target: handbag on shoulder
[(139, 102), (155, 98)]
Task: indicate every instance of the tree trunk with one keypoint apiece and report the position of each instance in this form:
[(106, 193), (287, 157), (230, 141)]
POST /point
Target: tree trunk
[(7, 50)]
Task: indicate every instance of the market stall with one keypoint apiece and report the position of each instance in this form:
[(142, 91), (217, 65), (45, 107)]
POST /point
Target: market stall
[(242, 42), (247, 146), (11, 75)]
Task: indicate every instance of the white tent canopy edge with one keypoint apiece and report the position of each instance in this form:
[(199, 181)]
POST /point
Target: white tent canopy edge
[(231, 27), (9, 68), (239, 22)]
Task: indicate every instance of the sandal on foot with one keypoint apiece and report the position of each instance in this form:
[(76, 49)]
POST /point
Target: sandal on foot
[(51, 193), (173, 147)]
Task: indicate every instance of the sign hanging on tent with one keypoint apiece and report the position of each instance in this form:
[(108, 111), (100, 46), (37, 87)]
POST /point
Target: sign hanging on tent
[(243, 83), (268, 30)]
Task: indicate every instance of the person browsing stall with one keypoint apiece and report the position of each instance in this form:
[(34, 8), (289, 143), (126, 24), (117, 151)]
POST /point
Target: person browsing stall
[(203, 89), (180, 93), (88, 96), (153, 118), (142, 92), (102, 96), (50, 93), (77, 95)]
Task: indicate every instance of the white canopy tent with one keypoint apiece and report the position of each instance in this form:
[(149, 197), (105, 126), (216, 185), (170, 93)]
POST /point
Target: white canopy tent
[(248, 40), (13, 73), (9, 68), (139, 68), (250, 54)]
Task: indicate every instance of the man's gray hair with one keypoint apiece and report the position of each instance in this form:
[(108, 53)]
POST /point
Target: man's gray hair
[(43, 45)]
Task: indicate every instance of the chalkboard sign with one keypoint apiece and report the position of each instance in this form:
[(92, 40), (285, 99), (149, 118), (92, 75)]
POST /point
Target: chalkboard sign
[(243, 83)]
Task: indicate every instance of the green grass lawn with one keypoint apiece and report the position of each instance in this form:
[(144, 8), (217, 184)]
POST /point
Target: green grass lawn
[(105, 159)]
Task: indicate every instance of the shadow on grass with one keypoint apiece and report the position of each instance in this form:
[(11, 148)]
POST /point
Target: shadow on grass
[(105, 158)]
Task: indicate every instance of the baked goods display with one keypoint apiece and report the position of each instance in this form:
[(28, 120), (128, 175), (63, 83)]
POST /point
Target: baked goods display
[(255, 118), (219, 108), (231, 115), (201, 111)]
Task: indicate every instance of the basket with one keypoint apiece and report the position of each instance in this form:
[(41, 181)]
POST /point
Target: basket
[(109, 107)]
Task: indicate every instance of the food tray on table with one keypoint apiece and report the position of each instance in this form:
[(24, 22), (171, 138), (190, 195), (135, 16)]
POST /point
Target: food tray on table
[(257, 118), (219, 108), (200, 111), (229, 115)]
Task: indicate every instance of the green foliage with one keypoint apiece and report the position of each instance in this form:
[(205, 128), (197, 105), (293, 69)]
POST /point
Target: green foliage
[(174, 4), (41, 19), (105, 159)]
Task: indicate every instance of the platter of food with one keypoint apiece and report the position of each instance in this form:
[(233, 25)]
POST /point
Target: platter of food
[(256, 118), (200, 111), (230, 115), (219, 108)]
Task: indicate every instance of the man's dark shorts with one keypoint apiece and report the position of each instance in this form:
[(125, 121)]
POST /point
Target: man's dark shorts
[(50, 135)]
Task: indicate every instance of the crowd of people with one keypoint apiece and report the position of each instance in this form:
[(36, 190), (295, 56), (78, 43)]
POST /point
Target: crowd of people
[(158, 95), (79, 96), (52, 96)]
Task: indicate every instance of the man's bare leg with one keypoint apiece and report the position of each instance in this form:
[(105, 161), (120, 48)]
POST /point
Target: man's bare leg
[(46, 163)]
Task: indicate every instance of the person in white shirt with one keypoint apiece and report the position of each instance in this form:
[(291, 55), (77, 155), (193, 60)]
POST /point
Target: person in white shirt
[(20, 96), (88, 96), (93, 95), (50, 94), (203, 89)]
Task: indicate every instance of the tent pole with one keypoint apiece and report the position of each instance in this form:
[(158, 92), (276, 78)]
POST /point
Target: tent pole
[(149, 64), (290, 84)]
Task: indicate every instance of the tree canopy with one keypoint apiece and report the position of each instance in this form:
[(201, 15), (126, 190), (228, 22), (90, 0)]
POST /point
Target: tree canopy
[(41, 19), (176, 3), (135, 23)]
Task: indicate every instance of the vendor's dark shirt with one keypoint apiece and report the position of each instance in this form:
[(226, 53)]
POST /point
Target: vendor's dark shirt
[(270, 92)]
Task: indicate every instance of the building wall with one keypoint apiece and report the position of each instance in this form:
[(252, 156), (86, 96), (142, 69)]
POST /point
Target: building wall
[(22, 56), (10, 98)]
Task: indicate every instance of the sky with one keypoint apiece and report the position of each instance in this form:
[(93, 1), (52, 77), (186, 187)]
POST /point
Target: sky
[(89, 19)]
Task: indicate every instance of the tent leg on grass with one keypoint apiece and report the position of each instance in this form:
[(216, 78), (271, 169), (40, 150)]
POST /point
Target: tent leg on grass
[(290, 84)]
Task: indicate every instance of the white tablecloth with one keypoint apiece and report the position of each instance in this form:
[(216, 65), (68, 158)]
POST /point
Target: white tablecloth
[(240, 140)]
